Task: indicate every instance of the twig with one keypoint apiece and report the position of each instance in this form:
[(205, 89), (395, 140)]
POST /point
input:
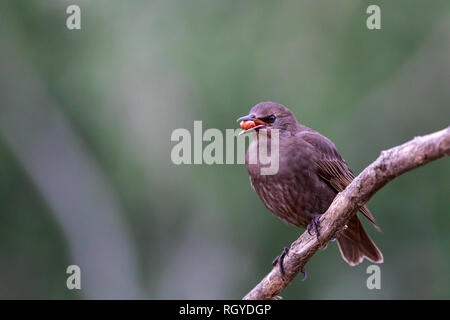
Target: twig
[(390, 164)]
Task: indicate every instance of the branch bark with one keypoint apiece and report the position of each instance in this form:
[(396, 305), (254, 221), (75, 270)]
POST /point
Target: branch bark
[(390, 164)]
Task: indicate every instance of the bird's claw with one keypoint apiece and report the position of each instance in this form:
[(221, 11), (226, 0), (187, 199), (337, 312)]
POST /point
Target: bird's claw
[(314, 224), (279, 259), (305, 275)]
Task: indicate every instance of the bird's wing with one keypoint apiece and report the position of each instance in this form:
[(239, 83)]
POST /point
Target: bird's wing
[(332, 168)]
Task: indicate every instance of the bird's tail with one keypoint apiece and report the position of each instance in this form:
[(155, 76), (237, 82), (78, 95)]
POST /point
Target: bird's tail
[(355, 244)]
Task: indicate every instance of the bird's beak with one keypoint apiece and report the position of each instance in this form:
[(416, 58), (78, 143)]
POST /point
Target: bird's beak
[(244, 118), (250, 123)]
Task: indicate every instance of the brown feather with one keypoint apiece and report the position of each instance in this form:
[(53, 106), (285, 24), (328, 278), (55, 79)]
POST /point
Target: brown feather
[(334, 170), (355, 244)]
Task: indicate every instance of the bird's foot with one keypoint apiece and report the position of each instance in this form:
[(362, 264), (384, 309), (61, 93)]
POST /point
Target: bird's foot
[(279, 260), (305, 275), (314, 224)]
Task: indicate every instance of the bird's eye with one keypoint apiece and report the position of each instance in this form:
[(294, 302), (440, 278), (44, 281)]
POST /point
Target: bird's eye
[(270, 119)]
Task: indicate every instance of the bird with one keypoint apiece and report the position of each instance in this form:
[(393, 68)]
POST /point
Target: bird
[(311, 172)]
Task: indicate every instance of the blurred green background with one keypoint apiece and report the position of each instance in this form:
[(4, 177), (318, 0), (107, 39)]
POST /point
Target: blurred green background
[(86, 118)]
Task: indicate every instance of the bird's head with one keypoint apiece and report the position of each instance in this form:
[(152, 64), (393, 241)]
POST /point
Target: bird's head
[(268, 115)]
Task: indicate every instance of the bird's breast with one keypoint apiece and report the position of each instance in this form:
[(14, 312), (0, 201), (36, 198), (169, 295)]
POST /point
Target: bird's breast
[(284, 197), (295, 193)]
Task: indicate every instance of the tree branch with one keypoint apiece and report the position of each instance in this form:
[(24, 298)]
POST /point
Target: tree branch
[(390, 164)]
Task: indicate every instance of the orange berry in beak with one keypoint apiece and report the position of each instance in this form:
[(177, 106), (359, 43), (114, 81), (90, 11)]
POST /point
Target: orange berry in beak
[(247, 124)]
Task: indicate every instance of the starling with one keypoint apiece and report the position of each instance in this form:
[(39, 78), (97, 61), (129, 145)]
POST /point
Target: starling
[(311, 173)]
